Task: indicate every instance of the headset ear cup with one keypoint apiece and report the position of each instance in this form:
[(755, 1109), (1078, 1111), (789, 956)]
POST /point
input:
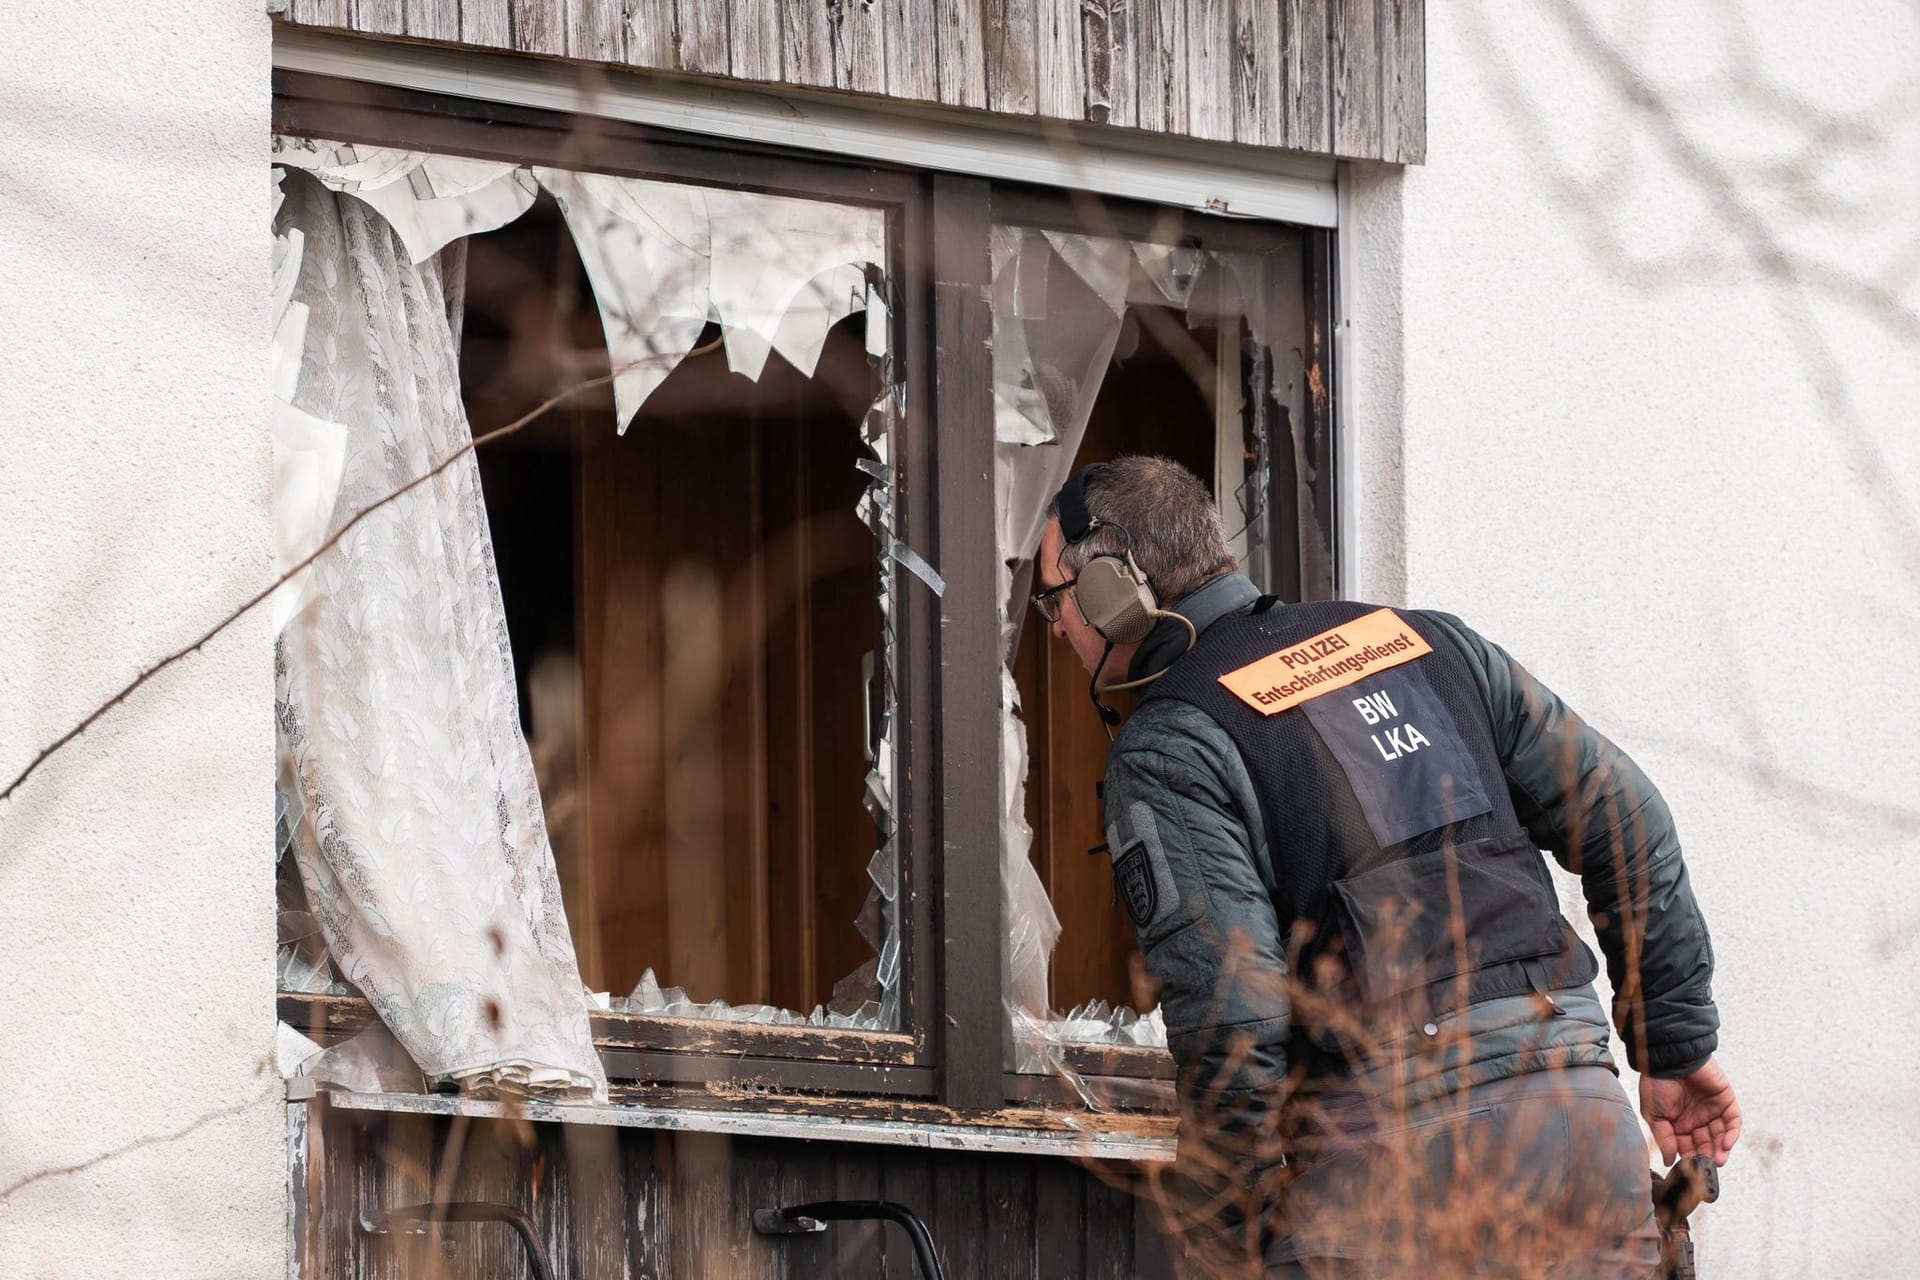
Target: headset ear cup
[(1115, 599)]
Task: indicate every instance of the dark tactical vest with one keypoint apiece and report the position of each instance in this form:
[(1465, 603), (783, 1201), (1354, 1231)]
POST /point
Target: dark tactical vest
[(1386, 816)]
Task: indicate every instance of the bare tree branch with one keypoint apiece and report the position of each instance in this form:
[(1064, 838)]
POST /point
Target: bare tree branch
[(254, 600)]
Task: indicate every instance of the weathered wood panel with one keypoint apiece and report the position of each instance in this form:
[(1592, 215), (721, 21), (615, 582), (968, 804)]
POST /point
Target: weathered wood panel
[(1059, 69), (961, 53), (1356, 76), (1121, 93), (1403, 78), (540, 26), (322, 13), (1160, 65), (486, 23), (1305, 55), (592, 31), (703, 35), (1010, 30), (638, 1204), (1338, 77), (380, 17), (1210, 68), (858, 31), (1259, 108), (433, 19), (912, 58), (755, 52), (651, 37)]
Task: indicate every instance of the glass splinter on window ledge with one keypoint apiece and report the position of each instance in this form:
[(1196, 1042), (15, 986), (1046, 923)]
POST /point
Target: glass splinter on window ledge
[(1037, 1045), (653, 1000), (1096, 1022)]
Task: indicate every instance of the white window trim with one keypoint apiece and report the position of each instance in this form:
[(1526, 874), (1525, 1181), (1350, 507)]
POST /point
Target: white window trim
[(1348, 578), (1210, 177), (1104, 1145)]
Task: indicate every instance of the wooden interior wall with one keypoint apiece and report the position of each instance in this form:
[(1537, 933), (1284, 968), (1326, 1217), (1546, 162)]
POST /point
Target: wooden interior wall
[(1333, 77), (639, 1204), (726, 597)]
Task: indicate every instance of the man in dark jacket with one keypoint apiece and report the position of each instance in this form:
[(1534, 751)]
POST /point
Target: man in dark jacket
[(1325, 821)]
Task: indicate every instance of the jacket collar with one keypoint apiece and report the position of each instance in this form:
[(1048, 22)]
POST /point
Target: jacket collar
[(1205, 605)]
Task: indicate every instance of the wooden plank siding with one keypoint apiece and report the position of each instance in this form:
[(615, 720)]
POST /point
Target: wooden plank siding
[(642, 1204), (1333, 77)]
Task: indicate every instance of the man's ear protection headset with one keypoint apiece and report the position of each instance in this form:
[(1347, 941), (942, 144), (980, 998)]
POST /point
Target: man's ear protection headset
[(1111, 591)]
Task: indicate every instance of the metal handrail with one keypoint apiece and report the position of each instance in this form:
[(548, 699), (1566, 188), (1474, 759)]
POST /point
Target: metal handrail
[(402, 1217), (802, 1219)]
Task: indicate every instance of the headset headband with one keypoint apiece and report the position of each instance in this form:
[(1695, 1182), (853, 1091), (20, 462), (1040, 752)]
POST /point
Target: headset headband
[(1076, 522)]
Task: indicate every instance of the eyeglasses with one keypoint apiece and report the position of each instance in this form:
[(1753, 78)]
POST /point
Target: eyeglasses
[(1048, 601)]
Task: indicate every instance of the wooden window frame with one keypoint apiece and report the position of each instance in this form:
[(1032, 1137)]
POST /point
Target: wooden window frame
[(952, 937)]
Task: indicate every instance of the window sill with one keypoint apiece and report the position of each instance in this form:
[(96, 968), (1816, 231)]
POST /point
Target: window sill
[(1011, 1131), (327, 1019)]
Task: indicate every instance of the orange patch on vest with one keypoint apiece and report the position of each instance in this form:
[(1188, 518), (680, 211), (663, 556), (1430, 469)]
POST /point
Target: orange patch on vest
[(1331, 660)]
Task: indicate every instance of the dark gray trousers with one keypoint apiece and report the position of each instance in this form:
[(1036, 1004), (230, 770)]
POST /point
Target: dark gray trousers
[(1539, 1175)]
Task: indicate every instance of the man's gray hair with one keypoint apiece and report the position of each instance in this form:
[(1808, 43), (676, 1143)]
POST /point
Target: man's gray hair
[(1175, 529)]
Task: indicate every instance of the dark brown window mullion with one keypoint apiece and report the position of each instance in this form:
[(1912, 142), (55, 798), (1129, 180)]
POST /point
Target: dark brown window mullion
[(1320, 286), (917, 617), (971, 1026)]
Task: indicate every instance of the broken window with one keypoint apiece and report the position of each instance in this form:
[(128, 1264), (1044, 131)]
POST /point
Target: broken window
[(687, 568), (1186, 341), (698, 603), (721, 740)]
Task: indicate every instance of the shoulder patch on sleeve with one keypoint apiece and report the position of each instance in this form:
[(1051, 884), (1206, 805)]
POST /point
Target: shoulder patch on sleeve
[(1134, 884), (1141, 878)]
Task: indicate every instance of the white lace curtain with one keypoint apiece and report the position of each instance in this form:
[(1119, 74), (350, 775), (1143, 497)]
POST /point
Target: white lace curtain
[(409, 793)]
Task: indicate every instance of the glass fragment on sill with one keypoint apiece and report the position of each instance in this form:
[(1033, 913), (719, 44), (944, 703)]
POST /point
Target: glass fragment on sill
[(1097, 1022), (372, 1061), (1039, 1047), (292, 1051), (653, 1000), (1035, 1054)]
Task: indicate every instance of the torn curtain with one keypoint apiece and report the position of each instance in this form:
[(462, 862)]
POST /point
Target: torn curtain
[(408, 789)]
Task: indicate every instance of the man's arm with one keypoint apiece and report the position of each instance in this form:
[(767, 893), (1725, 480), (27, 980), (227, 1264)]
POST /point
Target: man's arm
[(1584, 801), (1186, 865)]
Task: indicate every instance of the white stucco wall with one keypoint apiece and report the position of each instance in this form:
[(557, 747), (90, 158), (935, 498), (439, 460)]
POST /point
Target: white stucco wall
[(1638, 355), (139, 1132)]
